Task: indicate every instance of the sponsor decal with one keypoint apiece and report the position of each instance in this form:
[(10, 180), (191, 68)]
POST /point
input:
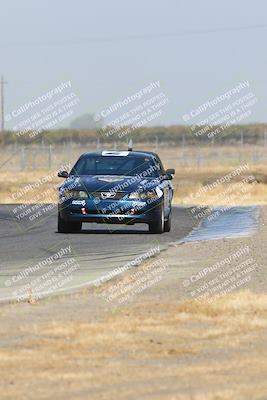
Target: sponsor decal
[(159, 192), (78, 202)]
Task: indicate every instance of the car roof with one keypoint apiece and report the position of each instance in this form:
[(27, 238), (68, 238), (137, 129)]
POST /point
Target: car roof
[(131, 153)]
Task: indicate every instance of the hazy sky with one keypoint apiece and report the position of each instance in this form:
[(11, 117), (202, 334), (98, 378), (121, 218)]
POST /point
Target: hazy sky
[(45, 43)]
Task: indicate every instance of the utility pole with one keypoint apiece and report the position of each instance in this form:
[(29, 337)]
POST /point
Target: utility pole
[(2, 83), (242, 138)]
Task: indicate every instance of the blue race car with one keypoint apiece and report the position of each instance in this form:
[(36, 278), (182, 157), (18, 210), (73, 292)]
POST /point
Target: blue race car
[(120, 187)]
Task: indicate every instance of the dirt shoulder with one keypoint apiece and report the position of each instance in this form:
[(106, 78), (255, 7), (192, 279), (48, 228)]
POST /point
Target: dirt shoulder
[(148, 335)]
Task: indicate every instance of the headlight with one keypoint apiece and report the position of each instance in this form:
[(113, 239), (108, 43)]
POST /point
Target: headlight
[(81, 194), (142, 195)]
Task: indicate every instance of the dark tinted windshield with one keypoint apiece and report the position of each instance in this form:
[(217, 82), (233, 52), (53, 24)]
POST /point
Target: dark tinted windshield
[(114, 165)]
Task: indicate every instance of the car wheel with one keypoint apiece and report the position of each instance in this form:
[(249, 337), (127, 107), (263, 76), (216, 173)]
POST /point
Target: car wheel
[(67, 227), (157, 226), (167, 224)]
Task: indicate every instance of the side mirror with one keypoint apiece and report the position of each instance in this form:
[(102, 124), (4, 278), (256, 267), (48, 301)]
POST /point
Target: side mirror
[(166, 177), (170, 171), (63, 174)]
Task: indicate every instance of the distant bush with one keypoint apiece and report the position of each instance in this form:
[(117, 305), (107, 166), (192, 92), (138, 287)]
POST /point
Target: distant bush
[(177, 134)]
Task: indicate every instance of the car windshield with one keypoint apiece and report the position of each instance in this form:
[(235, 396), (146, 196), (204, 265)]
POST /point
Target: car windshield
[(114, 165)]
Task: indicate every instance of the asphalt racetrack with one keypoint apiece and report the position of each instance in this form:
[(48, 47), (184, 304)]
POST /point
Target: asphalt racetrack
[(29, 250)]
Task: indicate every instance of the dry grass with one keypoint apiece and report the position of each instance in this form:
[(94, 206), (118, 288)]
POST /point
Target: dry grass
[(224, 195), (152, 351), (12, 183), (187, 181), (190, 176)]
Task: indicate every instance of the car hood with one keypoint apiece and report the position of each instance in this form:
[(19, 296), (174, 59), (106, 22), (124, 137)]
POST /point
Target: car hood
[(98, 183)]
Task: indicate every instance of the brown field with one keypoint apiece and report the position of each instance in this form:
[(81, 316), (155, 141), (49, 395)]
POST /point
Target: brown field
[(179, 351), (195, 167), (189, 179)]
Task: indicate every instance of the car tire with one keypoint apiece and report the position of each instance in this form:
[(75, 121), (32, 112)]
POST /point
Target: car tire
[(157, 226), (68, 227), (167, 224)]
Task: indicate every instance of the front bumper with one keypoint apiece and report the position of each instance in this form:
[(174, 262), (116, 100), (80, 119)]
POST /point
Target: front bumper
[(110, 211)]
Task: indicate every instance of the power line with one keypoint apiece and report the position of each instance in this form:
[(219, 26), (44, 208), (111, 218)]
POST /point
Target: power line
[(117, 38)]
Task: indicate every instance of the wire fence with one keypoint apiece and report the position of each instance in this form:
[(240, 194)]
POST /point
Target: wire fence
[(23, 158)]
